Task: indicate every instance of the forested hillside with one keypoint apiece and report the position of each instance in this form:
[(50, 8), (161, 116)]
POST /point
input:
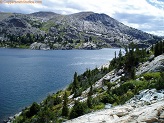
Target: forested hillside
[(94, 89)]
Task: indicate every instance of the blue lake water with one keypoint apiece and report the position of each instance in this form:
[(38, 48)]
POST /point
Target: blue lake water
[(30, 75)]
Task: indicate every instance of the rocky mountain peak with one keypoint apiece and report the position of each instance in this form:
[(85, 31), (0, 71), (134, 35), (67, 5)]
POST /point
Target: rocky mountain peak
[(43, 14), (17, 22), (81, 15), (98, 17)]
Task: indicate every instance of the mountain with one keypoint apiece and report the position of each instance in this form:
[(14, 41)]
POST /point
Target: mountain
[(16, 24), (72, 31)]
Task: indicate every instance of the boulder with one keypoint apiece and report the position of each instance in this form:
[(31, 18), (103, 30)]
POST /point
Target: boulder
[(156, 65), (149, 116), (147, 96), (162, 115), (108, 106), (39, 46)]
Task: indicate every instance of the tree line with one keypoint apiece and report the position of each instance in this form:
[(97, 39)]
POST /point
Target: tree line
[(158, 48)]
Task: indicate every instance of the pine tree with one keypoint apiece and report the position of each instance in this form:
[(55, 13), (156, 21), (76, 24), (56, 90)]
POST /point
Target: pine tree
[(133, 72), (152, 47), (75, 83), (130, 62), (115, 54), (120, 54), (120, 59), (163, 47), (78, 109), (65, 109), (156, 49), (160, 48), (89, 99), (34, 109)]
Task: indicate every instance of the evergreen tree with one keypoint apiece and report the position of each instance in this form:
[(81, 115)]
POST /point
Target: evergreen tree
[(109, 85), (120, 54), (90, 38), (159, 48), (89, 99), (115, 54), (133, 72), (130, 60), (77, 110), (57, 100), (120, 59), (163, 47), (75, 83), (33, 110), (152, 48), (65, 109)]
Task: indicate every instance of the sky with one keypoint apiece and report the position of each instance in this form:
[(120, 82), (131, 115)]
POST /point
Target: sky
[(145, 15)]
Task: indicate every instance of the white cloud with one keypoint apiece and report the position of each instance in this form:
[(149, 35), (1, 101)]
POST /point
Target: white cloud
[(147, 15), (159, 33), (157, 3)]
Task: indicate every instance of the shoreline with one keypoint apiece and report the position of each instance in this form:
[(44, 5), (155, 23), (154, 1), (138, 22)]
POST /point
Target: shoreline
[(62, 48), (11, 118)]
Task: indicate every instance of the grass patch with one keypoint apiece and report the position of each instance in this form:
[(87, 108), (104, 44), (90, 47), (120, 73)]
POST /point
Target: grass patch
[(149, 76), (47, 25), (24, 46), (99, 106)]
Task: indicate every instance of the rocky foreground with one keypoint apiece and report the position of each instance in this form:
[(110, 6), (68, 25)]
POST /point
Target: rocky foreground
[(148, 107)]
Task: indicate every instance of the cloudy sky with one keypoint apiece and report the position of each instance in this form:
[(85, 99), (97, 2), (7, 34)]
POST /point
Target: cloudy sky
[(146, 15)]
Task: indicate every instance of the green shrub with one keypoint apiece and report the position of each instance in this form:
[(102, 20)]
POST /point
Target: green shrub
[(78, 109), (33, 110), (57, 100), (160, 82), (95, 101), (99, 106), (107, 98), (149, 76), (77, 92), (126, 97), (123, 88), (19, 119)]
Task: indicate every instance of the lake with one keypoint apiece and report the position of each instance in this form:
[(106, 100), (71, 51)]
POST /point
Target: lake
[(28, 76)]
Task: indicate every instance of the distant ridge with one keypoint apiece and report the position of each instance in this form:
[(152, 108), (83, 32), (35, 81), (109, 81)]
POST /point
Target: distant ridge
[(101, 29), (43, 14)]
